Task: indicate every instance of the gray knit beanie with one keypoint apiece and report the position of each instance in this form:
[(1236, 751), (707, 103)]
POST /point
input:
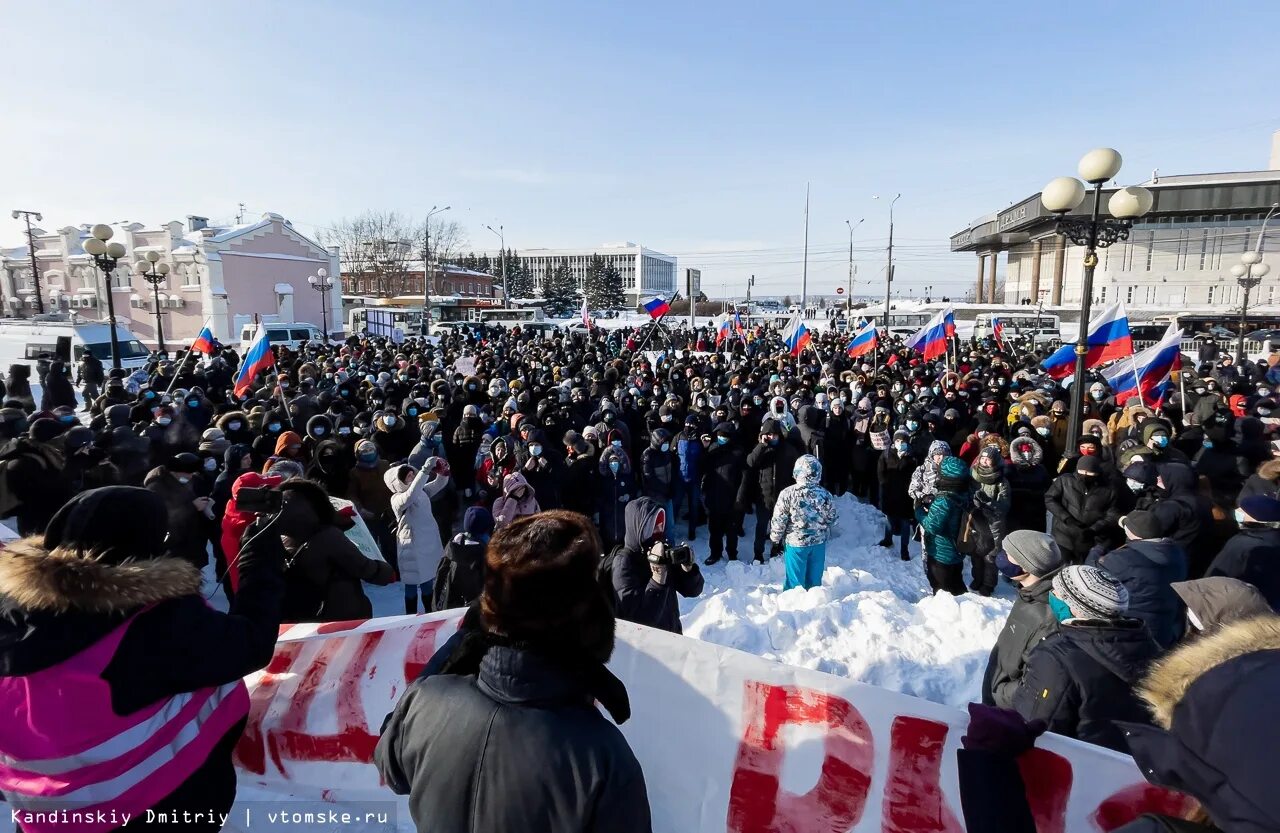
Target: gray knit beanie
[(1091, 593), (1035, 552)]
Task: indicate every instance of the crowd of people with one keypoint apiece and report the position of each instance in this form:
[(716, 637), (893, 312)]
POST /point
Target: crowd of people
[(551, 485)]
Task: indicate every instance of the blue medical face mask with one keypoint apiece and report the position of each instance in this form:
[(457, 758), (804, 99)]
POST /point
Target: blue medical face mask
[(722, 440), (616, 443), (1207, 443), (666, 446), (1060, 610), (67, 418), (912, 425), (614, 465), (1159, 441)]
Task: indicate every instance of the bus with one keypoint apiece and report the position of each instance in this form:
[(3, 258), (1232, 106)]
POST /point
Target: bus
[(1043, 328), (407, 319), (907, 324), (511, 316)]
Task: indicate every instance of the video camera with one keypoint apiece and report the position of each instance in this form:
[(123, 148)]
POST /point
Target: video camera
[(661, 553), (261, 501)]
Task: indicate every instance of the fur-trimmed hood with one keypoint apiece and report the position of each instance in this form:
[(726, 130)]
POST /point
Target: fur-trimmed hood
[(34, 579), (1213, 698), (1168, 681)]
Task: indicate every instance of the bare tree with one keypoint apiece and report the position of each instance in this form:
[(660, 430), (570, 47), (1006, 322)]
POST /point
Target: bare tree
[(383, 246), (447, 239)]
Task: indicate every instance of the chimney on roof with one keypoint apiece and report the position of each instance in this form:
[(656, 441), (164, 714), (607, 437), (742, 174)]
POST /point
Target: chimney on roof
[(196, 222)]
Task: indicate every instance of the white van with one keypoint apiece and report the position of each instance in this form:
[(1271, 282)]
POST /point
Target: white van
[(283, 335), (66, 338)]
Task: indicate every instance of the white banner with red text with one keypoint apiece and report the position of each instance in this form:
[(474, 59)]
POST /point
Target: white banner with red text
[(729, 742)]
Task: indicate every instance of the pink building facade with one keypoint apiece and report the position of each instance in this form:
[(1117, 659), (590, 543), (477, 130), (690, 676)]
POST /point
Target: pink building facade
[(224, 276)]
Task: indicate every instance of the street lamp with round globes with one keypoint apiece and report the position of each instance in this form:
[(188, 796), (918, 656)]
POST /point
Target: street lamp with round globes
[(154, 273), (322, 283), (106, 256), (1065, 194)]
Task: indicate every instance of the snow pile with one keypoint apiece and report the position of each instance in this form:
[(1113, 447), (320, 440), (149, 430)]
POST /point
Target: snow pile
[(873, 619)]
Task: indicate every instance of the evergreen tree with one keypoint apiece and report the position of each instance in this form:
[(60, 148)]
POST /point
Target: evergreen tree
[(469, 262), (519, 278), (612, 295), (559, 288), (483, 264), (593, 286)]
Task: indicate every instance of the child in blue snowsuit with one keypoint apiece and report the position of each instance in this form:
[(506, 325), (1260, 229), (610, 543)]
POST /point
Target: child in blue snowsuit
[(804, 519)]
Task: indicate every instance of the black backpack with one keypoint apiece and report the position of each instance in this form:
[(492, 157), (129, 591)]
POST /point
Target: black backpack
[(975, 536)]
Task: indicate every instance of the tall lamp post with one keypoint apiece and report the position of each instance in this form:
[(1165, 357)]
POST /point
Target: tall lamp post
[(426, 269), (154, 273), (1249, 272), (848, 304), (322, 283), (31, 249), (503, 254), (1065, 194), (106, 256)]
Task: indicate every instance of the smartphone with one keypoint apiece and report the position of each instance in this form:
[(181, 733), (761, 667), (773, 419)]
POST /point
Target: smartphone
[(263, 501)]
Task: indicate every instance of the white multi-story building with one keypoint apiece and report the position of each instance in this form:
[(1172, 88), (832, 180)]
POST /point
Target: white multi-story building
[(1179, 255), (645, 273)]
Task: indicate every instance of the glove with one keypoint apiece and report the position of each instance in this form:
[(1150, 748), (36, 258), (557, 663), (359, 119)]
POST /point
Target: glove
[(777, 549), (1002, 731)]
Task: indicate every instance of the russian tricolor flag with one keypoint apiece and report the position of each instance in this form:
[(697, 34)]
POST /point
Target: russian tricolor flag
[(931, 340), (204, 342), (997, 328), (657, 307), (723, 332), (1109, 340), (1148, 371), (738, 326), (864, 341), (258, 358), (796, 336)]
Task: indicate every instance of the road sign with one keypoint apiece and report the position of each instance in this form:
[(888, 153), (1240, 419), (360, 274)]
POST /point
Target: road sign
[(839, 290)]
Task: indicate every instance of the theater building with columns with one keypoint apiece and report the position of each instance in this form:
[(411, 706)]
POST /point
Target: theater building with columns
[(1180, 254)]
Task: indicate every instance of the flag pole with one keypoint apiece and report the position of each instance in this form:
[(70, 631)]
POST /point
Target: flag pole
[(185, 358)]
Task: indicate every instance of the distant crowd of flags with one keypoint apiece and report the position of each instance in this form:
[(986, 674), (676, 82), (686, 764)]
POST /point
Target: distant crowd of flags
[(1144, 374)]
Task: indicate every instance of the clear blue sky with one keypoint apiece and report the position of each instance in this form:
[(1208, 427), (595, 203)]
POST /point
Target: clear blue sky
[(689, 127)]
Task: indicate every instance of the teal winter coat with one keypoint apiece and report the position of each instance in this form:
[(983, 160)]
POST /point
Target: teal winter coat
[(941, 526)]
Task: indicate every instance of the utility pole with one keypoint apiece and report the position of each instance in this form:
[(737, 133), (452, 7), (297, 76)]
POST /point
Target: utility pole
[(751, 281), (853, 270), (31, 248), (240, 215), (804, 274), (888, 272)]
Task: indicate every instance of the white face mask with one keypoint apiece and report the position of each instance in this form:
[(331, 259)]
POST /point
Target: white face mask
[(210, 464), (391, 422), (234, 426), (163, 420), (184, 479), (319, 430), (1135, 485), (344, 431)]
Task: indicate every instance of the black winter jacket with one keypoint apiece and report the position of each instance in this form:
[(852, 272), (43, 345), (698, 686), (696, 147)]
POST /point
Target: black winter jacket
[(520, 746), (894, 472), (460, 575), (1030, 622), (768, 472), (1081, 516), (722, 476), (640, 599), (1146, 569), (1027, 487), (1081, 679), (1253, 555)]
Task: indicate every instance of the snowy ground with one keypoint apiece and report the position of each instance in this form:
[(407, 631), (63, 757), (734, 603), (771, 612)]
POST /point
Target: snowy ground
[(872, 620)]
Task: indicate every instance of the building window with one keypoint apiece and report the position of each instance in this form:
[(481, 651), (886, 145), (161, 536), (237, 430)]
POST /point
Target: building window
[(1128, 295), (1271, 294), (1204, 248), (120, 279), (1151, 248), (1102, 297), (1211, 293)]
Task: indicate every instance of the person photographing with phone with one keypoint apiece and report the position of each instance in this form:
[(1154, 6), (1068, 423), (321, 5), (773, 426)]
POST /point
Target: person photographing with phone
[(648, 573)]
